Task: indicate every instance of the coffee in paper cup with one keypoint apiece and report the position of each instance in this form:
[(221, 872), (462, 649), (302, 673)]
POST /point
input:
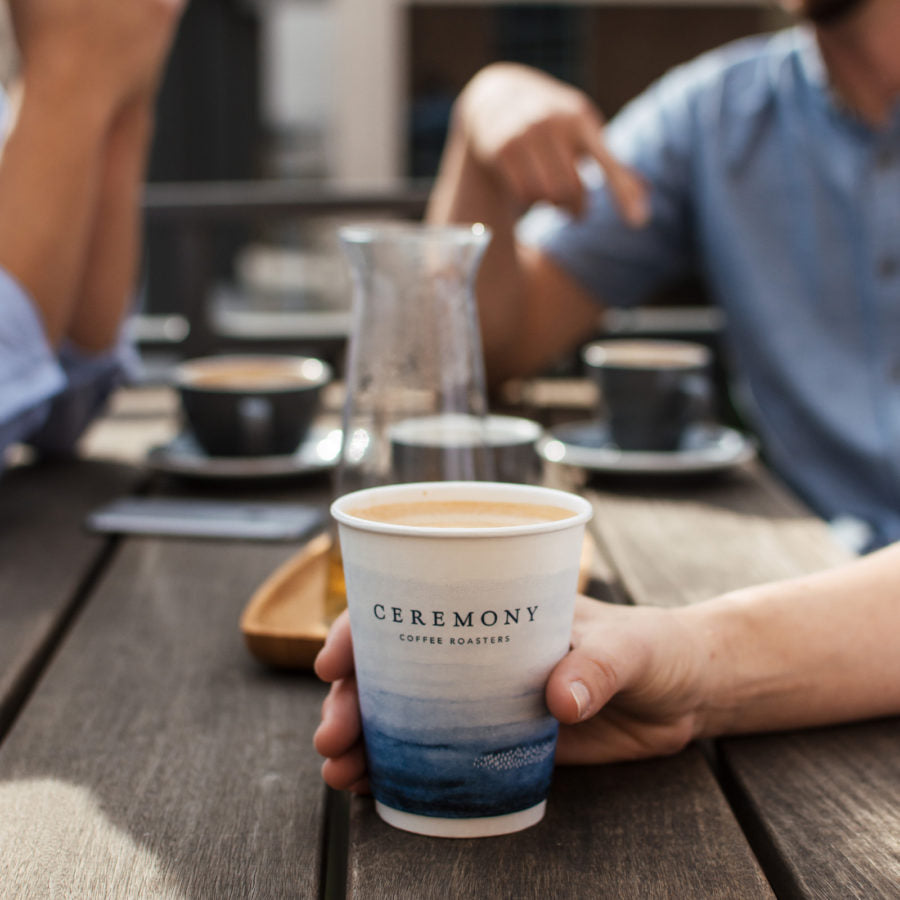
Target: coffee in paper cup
[(461, 597)]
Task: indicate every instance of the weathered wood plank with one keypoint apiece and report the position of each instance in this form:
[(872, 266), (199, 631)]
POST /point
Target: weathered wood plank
[(677, 542), (156, 758), (656, 829), (45, 556), (823, 808)]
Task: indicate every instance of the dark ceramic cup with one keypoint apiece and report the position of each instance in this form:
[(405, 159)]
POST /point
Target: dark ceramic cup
[(258, 405), (650, 390)]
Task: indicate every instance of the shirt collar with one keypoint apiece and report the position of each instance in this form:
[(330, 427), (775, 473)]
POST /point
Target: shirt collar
[(816, 74), (810, 55)]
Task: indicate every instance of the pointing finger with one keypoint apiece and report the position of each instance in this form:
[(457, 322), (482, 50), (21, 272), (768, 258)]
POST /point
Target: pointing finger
[(628, 189)]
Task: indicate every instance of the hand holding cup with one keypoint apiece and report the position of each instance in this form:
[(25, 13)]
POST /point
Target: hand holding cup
[(460, 597)]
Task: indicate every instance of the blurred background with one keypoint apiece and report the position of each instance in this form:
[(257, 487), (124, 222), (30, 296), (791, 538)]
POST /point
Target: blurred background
[(279, 119)]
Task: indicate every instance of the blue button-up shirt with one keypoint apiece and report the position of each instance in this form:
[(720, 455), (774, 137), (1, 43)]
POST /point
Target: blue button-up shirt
[(789, 207), (48, 396)]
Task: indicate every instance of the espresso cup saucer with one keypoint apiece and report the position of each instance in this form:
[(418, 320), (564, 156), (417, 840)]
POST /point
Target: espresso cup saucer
[(705, 447), (184, 457)]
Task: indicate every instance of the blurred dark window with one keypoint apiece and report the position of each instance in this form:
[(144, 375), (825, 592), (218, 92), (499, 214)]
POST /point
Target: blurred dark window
[(612, 52), (207, 127)]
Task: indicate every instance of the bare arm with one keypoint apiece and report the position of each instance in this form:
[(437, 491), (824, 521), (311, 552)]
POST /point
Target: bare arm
[(83, 63), (792, 654), (113, 251), (48, 183), (516, 137), (811, 651)]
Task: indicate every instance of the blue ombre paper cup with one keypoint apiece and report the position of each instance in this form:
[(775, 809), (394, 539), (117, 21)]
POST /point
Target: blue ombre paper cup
[(461, 597)]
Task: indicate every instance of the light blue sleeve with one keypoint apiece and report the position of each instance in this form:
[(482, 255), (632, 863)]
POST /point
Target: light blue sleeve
[(29, 371), (47, 398), (89, 382), (618, 264)]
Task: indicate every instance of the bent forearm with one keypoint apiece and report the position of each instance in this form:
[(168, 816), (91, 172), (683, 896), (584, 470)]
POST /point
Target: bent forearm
[(530, 311), (48, 181), (113, 250), (806, 652), (466, 192)]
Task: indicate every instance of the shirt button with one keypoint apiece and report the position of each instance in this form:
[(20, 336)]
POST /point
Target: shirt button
[(887, 268)]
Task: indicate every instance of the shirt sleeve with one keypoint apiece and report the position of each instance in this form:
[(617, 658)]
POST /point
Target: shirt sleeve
[(48, 398), (618, 264), (89, 382), (29, 371)]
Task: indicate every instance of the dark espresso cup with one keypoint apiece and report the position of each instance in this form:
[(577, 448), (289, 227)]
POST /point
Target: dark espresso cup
[(650, 390), (459, 447), (259, 405)]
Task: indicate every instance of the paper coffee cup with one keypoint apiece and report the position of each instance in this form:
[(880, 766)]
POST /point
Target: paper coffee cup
[(460, 607)]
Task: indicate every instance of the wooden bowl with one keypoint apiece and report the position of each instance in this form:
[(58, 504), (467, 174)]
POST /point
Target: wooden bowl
[(284, 622)]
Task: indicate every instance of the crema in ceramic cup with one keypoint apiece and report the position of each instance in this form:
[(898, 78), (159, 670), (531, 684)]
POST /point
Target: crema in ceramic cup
[(461, 597)]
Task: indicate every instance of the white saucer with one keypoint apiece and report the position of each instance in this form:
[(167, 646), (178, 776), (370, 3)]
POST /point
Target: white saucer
[(183, 456), (703, 448)]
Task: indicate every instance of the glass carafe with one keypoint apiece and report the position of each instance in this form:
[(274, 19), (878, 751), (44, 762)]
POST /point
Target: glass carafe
[(414, 363)]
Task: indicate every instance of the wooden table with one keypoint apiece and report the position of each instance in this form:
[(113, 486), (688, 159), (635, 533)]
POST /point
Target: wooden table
[(145, 754)]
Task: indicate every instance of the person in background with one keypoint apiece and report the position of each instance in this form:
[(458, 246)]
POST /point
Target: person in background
[(771, 168), (645, 681), (71, 175)]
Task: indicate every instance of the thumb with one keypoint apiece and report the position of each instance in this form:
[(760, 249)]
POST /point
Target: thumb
[(579, 686)]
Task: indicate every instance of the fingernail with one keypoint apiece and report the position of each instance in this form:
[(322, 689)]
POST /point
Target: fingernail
[(581, 696)]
